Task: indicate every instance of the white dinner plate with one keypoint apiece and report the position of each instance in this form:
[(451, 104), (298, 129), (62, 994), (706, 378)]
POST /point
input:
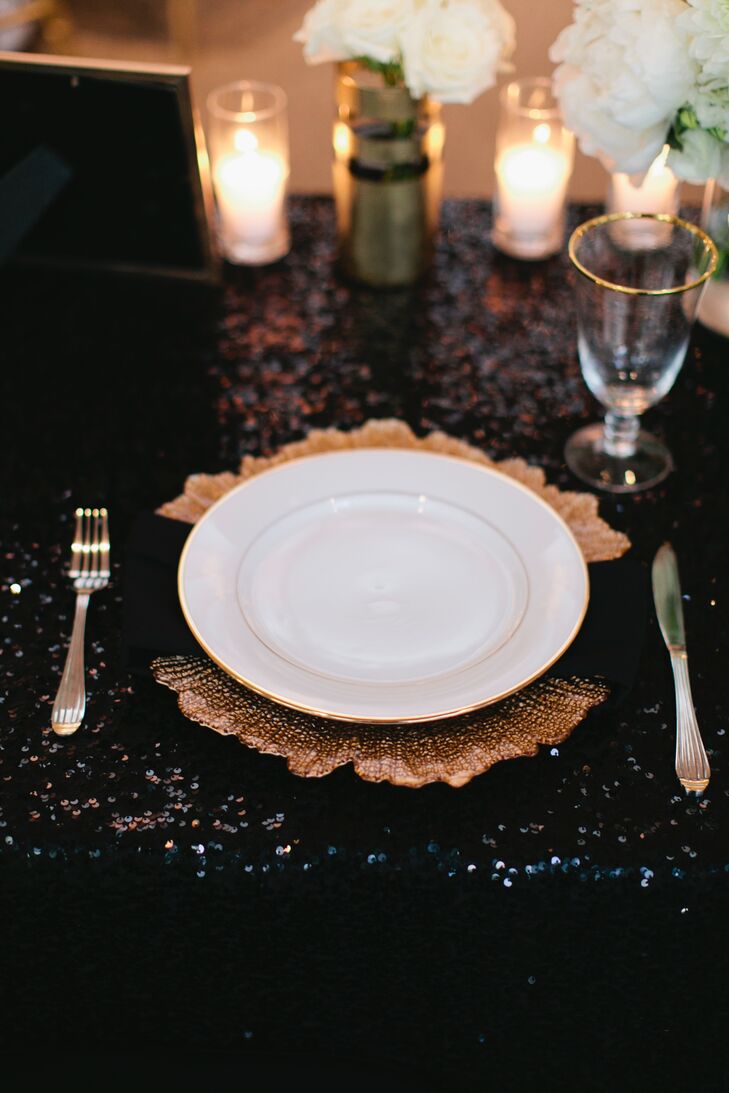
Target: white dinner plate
[(383, 585)]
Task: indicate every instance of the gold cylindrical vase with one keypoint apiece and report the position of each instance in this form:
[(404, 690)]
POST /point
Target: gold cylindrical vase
[(388, 171)]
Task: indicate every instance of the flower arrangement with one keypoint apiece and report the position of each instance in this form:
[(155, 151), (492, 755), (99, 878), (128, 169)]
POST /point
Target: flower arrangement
[(451, 50), (634, 75)]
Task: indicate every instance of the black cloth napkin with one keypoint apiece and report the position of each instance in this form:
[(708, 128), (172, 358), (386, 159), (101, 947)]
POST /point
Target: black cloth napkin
[(609, 643)]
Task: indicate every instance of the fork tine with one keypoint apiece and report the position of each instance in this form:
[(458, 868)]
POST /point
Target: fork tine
[(105, 543), (85, 556), (90, 548), (94, 561), (77, 545)]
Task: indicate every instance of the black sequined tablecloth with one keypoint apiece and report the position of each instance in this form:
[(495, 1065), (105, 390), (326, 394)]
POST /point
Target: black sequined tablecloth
[(165, 889)]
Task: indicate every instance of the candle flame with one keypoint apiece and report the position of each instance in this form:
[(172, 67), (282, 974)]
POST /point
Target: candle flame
[(542, 133), (342, 141), (658, 166), (245, 141)]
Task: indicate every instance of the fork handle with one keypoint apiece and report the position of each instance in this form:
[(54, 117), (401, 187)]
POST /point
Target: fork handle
[(70, 705), (692, 765)]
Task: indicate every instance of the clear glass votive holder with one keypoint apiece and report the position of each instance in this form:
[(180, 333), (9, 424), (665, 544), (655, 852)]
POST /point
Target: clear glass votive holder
[(534, 159), (249, 153)]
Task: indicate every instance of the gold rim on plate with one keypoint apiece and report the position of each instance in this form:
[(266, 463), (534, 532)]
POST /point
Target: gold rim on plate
[(317, 712)]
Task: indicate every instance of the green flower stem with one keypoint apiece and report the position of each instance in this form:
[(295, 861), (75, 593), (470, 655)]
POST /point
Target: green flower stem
[(391, 71)]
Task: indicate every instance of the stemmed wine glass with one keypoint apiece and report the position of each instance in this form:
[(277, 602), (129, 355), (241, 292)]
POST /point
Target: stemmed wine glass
[(641, 278)]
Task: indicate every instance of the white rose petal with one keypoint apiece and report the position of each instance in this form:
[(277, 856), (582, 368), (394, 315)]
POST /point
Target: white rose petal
[(372, 28), (453, 50), (338, 30), (320, 34)]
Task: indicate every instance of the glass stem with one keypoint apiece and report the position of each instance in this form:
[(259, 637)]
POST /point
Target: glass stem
[(621, 434)]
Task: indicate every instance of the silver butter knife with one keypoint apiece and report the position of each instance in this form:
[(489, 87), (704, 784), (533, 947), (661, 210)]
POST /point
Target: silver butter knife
[(692, 766)]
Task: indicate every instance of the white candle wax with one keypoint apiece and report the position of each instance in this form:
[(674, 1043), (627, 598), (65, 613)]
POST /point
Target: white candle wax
[(251, 187), (531, 187), (658, 193)]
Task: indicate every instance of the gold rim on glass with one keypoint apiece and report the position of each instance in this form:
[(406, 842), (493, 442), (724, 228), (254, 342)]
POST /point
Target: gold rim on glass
[(663, 218)]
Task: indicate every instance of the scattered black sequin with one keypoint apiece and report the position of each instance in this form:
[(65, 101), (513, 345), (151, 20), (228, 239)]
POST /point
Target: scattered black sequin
[(144, 383), (555, 924)]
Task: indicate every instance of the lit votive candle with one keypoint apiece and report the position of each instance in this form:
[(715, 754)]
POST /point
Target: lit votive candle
[(657, 193), (533, 167), (532, 183), (250, 171), (251, 189)]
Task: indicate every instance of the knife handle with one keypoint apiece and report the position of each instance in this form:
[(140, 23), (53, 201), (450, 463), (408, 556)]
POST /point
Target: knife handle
[(692, 766)]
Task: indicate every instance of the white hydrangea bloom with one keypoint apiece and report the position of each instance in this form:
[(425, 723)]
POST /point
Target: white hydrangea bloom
[(706, 23), (624, 70), (711, 105), (699, 158)]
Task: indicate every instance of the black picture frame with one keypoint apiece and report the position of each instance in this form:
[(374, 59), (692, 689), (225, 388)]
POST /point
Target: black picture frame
[(133, 191)]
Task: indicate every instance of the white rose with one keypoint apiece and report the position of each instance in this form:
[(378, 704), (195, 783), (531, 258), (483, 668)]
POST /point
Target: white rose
[(625, 70), (372, 28), (453, 49), (700, 157), (337, 30), (320, 34)]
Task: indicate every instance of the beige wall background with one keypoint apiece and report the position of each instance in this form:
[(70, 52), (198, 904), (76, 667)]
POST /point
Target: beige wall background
[(226, 40)]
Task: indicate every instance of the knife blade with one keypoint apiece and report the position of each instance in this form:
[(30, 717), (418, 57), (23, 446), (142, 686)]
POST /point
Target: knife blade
[(692, 765), (667, 598)]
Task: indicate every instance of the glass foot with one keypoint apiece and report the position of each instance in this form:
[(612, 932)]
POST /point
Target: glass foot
[(586, 457)]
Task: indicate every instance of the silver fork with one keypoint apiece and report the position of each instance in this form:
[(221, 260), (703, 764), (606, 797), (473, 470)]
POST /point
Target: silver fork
[(89, 572)]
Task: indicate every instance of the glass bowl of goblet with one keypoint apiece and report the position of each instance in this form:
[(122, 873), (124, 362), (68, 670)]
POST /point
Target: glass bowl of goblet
[(640, 279)]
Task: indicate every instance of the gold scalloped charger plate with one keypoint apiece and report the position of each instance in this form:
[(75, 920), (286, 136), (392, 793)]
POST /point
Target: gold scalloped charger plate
[(383, 586)]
